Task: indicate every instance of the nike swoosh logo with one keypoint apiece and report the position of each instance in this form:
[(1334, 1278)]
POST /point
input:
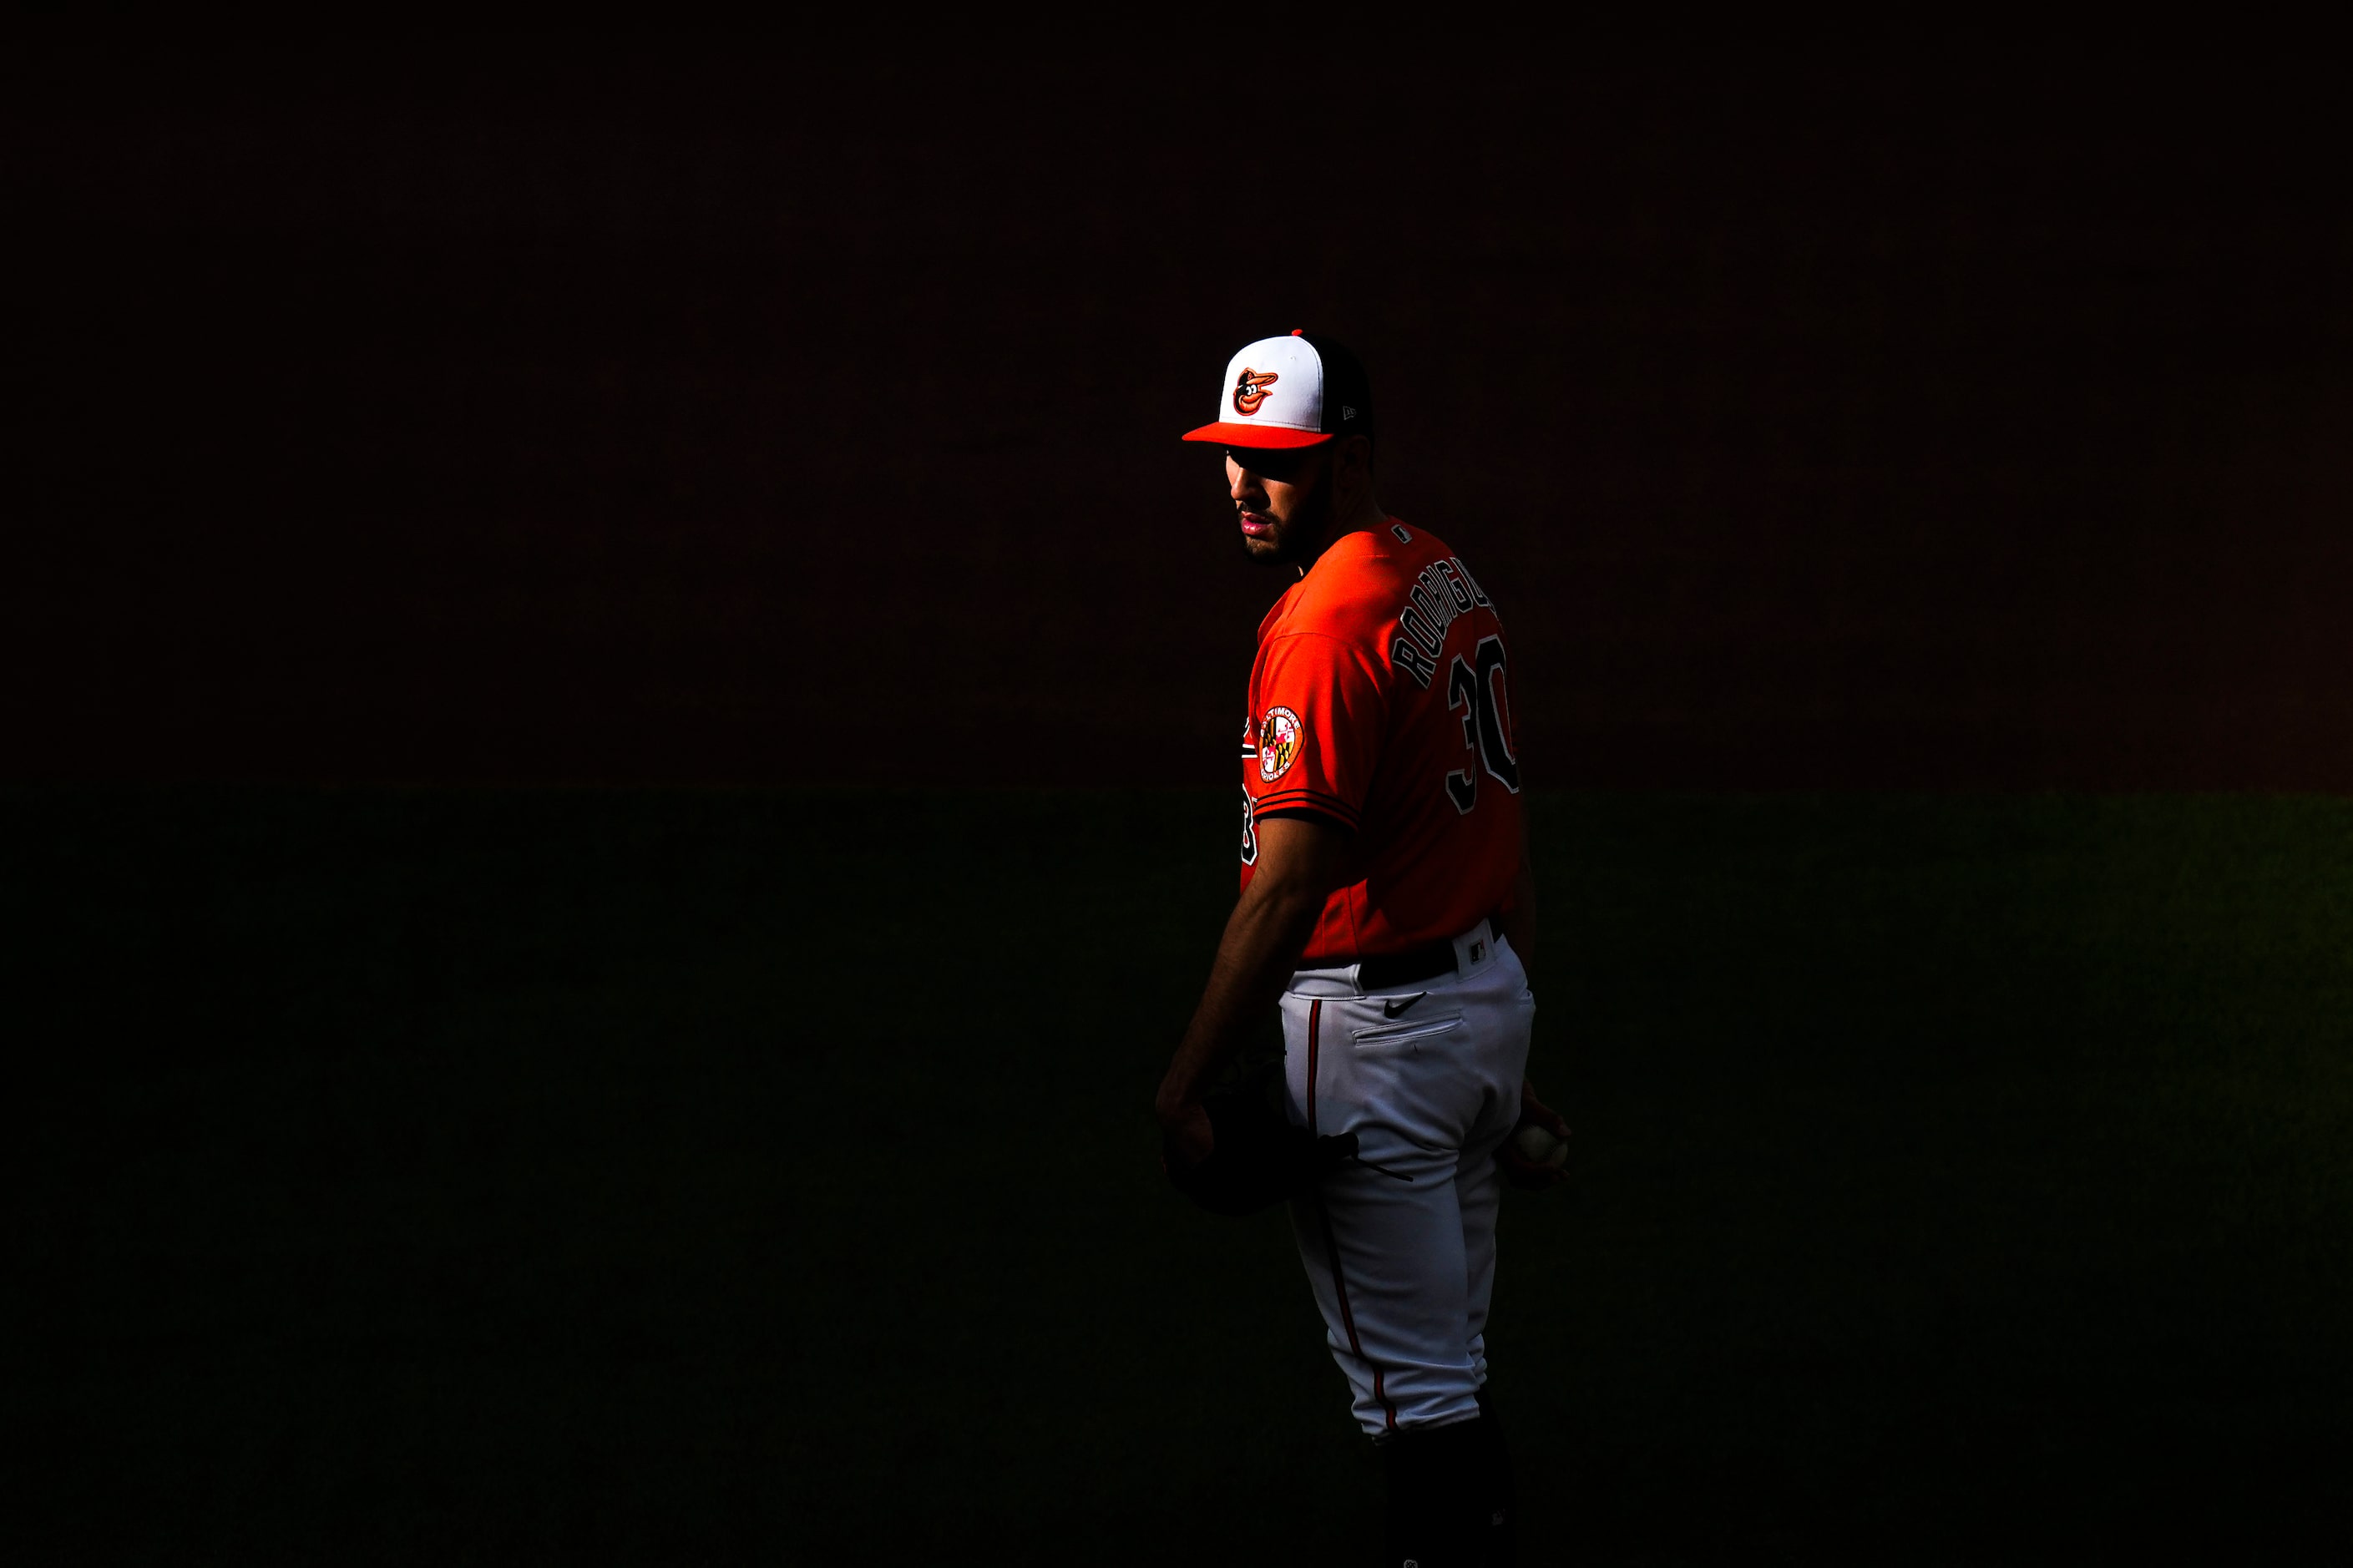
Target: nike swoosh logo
[(1394, 1008)]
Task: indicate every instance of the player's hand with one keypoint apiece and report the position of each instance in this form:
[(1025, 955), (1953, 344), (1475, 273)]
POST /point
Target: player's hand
[(1518, 1169), (1184, 1134)]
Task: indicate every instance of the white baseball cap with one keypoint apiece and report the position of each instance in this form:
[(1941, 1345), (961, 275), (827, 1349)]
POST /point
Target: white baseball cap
[(1298, 391)]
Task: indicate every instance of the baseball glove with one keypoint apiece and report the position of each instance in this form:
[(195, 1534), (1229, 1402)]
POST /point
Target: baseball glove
[(1257, 1158)]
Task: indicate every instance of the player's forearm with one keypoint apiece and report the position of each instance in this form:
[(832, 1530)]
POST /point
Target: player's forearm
[(1264, 938)]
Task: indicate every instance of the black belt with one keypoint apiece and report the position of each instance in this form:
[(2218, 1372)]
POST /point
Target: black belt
[(1395, 971)]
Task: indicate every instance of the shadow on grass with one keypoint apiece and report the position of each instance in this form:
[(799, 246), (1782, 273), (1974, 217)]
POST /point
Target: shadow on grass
[(451, 1177)]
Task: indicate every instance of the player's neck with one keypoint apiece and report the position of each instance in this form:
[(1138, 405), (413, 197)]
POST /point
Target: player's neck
[(1364, 517)]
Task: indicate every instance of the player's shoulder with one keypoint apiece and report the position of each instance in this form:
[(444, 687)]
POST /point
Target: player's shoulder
[(1357, 586)]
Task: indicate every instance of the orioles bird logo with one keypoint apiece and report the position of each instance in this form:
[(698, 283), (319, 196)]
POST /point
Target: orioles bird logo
[(1250, 389)]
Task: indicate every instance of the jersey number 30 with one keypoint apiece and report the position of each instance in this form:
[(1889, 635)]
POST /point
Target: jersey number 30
[(1476, 686)]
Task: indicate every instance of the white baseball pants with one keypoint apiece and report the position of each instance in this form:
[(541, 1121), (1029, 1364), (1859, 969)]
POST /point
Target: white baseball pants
[(1402, 1258)]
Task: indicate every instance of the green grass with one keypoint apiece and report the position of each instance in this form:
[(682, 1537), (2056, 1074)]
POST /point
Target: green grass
[(451, 1177)]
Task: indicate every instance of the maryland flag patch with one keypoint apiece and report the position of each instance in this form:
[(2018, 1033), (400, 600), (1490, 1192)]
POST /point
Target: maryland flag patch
[(1279, 739)]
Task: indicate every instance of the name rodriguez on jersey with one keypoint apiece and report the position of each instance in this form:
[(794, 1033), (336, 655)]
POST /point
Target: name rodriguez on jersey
[(1407, 765), (1444, 592)]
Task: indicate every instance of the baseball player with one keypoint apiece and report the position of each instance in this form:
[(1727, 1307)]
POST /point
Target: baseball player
[(1387, 909)]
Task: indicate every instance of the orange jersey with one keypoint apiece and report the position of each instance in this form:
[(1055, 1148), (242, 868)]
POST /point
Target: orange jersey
[(1380, 700)]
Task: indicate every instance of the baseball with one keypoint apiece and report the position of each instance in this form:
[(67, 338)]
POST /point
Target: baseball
[(1537, 1146)]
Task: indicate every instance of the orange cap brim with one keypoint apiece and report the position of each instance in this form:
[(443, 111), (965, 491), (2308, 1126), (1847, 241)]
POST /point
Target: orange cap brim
[(1276, 436)]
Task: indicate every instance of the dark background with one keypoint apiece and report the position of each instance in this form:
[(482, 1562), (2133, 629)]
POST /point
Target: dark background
[(1930, 471), (715, 1176), (527, 410)]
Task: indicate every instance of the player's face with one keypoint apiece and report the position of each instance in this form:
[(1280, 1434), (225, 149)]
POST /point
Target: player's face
[(1284, 499)]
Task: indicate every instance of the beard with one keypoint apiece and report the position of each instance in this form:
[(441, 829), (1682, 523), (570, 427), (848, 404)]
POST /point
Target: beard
[(1301, 540)]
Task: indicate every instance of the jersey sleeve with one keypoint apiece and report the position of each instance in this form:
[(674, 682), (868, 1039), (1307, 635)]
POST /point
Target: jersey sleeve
[(1322, 713)]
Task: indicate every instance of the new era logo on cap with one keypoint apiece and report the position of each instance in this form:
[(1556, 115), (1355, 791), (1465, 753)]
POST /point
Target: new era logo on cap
[(1293, 391)]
